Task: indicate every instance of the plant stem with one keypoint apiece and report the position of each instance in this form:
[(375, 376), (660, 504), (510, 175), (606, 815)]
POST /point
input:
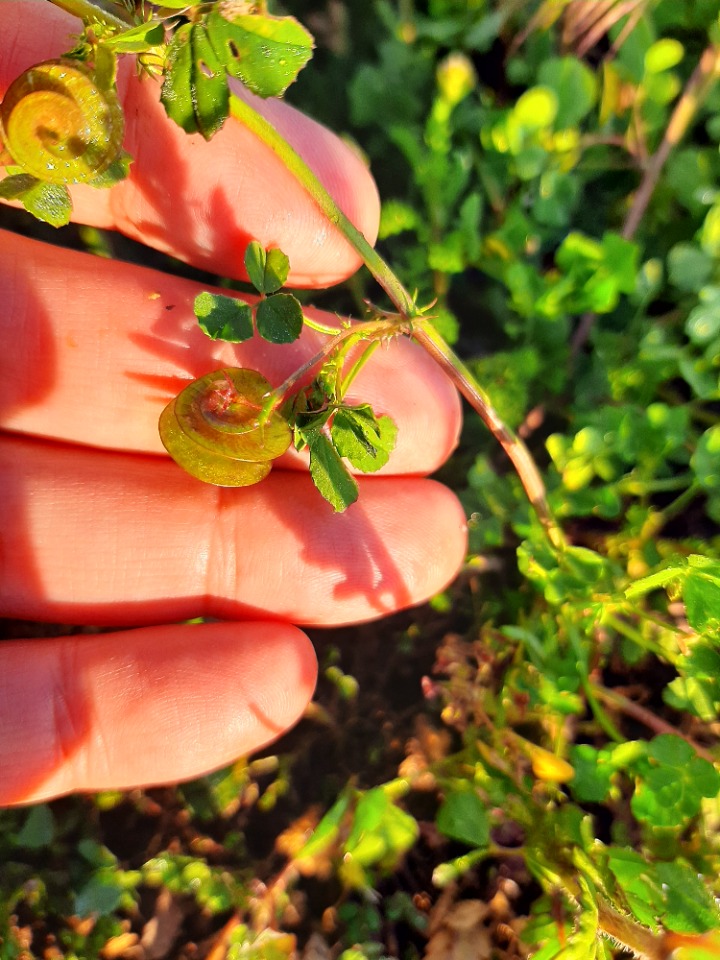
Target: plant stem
[(320, 327), (87, 10), (628, 631), (519, 455), (373, 330), (258, 125), (652, 722), (625, 931), (656, 521), (696, 90), (422, 331)]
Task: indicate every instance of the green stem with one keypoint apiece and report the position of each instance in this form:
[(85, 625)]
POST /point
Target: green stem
[(258, 125), (320, 327), (373, 330), (696, 91), (617, 624), (357, 366), (87, 10), (622, 929), (656, 521), (422, 331)]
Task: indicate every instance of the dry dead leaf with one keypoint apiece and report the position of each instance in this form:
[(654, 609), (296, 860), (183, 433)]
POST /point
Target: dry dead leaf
[(161, 931), (316, 949), (459, 932)]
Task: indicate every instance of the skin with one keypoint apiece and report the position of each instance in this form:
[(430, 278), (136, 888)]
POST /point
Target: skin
[(98, 526)]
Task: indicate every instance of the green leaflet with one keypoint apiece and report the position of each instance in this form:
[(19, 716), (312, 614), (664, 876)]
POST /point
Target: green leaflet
[(265, 52), (366, 440)]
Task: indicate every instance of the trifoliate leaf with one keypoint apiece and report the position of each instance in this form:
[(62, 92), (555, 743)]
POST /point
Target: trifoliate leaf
[(266, 53), (279, 318), (673, 783), (366, 440), (328, 472), (49, 202), (223, 318), (267, 269)]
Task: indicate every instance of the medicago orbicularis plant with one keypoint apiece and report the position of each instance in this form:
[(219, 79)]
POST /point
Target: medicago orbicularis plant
[(194, 47), (228, 427)]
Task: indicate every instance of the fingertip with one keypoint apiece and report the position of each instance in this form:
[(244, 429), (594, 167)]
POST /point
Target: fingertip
[(144, 707)]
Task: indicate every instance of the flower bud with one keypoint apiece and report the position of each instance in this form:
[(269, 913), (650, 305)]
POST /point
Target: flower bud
[(455, 78)]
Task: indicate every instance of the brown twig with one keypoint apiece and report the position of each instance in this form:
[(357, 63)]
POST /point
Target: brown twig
[(696, 90), (628, 27), (650, 720), (604, 23)]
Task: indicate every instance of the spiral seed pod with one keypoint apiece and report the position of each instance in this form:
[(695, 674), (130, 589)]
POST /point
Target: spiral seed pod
[(58, 125), (213, 430)]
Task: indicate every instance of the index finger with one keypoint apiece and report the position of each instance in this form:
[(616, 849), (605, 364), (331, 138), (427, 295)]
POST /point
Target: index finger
[(204, 201)]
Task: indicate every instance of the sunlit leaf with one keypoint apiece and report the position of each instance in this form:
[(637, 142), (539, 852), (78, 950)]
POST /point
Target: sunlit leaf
[(279, 318), (328, 472), (223, 318), (265, 52), (137, 39), (49, 202), (194, 92), (364, 439)]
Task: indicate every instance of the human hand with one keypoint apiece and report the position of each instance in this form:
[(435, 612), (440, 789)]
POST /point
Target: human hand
[(98, 526)]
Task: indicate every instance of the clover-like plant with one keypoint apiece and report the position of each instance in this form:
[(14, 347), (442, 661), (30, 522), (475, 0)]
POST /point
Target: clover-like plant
[(517, 693), (229, 416)]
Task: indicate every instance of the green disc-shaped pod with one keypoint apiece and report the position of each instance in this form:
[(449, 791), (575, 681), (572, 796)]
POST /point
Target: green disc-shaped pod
[(213, 429)]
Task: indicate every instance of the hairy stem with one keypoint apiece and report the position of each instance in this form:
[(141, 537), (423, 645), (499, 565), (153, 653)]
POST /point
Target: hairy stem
[(373, 330), (258, 125), (426, 335), (422, 330), (628, 933), (696, 90), (698, 87)]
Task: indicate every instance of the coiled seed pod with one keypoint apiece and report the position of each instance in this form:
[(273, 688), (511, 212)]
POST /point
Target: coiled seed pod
[(213, 429), (59, 125)]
